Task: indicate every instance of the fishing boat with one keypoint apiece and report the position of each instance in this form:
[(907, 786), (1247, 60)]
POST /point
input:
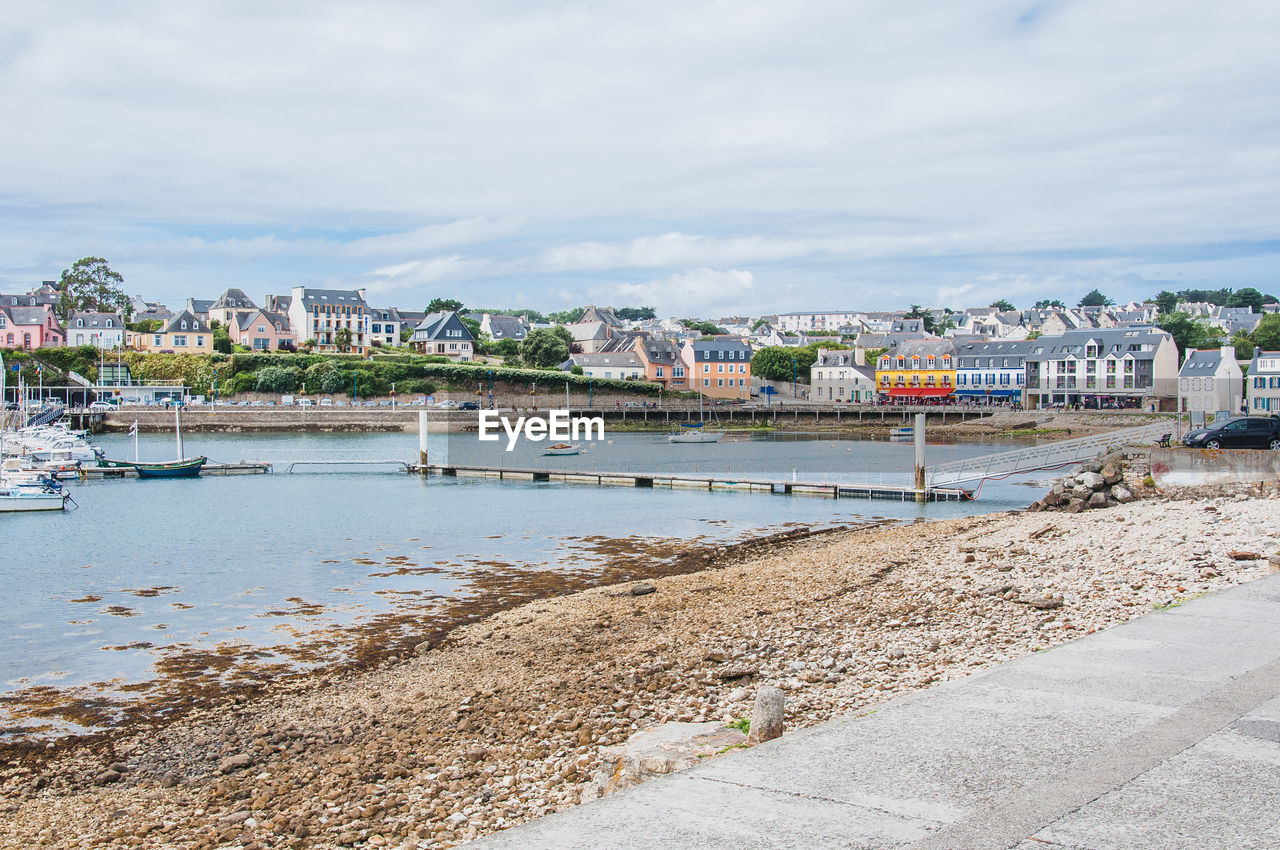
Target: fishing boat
[(560, 449), (183, 467), (694, 432), (908, 431)]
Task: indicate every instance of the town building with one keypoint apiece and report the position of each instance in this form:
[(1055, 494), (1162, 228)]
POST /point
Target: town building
[(1264, 383), (1211, 384), (500, 327), (842, 375), (227, 306), (319, 316), (818, 321), (31, 326), (385, 326), (262, 331), (662, 362), (1120, 367), (444, 335), (181, 334), (918, 369), (992, 371), (590, 337), (101, 330), (719, 367), (618, 365)]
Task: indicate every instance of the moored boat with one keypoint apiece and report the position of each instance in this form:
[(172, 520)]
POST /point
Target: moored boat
[(186, 468), (562, 449)]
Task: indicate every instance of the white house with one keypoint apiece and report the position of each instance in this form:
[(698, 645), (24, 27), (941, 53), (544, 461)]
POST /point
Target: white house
[(102, 330), (1264, 382), (990, 371), (1211, 382), (1122, 367), (443, 334), (842, 376), (618, 365), (320, 315)]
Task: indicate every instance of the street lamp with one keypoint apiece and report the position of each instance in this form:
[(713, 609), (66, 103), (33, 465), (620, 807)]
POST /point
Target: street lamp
[(588, 393), (215, 387), (491, 389), (793, 379), (355, 387)]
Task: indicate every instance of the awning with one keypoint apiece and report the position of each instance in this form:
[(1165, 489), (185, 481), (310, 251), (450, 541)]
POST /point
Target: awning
[(919, 392)]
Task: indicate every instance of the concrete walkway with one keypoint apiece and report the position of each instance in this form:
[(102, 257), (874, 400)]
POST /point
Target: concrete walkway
[(1162, 732)]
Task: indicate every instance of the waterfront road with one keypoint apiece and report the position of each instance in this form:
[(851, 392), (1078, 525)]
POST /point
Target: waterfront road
[(1163, 732)]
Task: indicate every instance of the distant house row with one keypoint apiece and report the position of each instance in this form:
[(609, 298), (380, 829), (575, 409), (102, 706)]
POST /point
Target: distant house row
[(1134, 367)]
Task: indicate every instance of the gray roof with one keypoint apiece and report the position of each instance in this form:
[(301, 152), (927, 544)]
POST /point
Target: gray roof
[(245, 318), (30, 299), (175, 324), (95, 320), (1201, 362), (341, 297), (199, 305), (709, 349), (1115, 342), (907, 326), (233, 299), (923, 348), (28, 315), (589, 330), (872, 339), (434, 325), (1259, 354), (599, 314), (507, 327), (661, 351), (996, 348), (628, 359)]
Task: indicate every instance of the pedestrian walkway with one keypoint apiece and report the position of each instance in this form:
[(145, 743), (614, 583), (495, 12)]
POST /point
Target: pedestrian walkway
[(1163, 732)]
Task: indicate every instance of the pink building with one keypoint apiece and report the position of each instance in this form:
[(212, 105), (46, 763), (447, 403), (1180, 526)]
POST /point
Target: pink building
[(261, 330), (30, 327)]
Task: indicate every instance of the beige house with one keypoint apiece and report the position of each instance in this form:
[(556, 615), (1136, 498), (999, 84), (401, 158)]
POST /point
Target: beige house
[(181, 334)]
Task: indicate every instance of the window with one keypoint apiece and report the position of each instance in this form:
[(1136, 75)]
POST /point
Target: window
[(179, 340), (706, 382), (111, 323), (677, 371), (719, 382), (80, 323), (159, 341), (184, 324), (722, 368), (200, 342), (262, 329), (659, 372)]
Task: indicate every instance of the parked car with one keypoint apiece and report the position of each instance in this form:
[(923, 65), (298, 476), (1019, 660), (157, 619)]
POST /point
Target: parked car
[(1245, 432), (257, 403), (102, 405), (469, 405), (341, 403), (326, 402), (419, 402), (384, 403), (306, 402)]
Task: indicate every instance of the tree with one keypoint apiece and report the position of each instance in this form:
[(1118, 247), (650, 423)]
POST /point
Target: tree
[(755, 326), (1267, 334), (90, 285), (567, 317), (1188, 332), (773, 363), (324, 377), (1243, 344), (635, 314), (1095, 298), (1003, 305), (703, 327), (444, 305), (925, 316), (1048, 303), (342, 339), (872, 356), (221, 338), (278, 379), (1247, 297), (1166, 301), (545, 347)]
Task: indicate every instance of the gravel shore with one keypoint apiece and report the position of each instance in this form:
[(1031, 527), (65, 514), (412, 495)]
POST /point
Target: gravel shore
[(506, 720)]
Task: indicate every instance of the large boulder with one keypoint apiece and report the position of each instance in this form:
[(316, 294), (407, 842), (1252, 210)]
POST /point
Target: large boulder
[(658, 751)]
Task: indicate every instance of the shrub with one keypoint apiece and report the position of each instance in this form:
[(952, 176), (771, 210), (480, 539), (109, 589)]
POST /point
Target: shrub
[(278, 379)]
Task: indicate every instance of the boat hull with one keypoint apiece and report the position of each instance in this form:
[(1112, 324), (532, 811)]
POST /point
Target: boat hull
[(11, 503), (171, 469), (695, 437)]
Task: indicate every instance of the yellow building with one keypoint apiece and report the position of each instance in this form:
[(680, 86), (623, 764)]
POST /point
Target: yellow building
[(919, 369), (182, 334)]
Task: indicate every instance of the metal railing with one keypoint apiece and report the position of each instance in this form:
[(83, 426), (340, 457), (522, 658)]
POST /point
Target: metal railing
[(288, 459), (1043, 457)]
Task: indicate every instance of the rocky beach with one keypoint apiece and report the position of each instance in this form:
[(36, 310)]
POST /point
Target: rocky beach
[(521, 713)]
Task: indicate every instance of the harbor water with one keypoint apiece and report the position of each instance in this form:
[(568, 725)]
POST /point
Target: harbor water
[(280, 568)]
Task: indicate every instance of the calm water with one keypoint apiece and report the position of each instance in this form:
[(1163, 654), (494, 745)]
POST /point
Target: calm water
[(145, 568)]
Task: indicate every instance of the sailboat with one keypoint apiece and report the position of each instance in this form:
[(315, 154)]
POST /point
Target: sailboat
[(183, 467), (695, 432)]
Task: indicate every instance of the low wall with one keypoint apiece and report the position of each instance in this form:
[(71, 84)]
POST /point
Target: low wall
[(1193, 467)]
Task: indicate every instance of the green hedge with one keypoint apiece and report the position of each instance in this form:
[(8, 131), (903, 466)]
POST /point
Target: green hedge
[(410, 373)]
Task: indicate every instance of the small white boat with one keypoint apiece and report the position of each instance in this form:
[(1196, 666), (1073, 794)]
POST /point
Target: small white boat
[(695, 434), (908, 431), (19, 499), (562, 449)]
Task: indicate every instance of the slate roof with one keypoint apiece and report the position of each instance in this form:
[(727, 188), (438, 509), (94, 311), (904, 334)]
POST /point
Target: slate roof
[(433, 326), (507, 327), (96, 320), (923, 348), (233, 299), (709, 349), (341, 297), (174, 325), (28, 315), (628, 359), (1201, 362), (1115, 342)]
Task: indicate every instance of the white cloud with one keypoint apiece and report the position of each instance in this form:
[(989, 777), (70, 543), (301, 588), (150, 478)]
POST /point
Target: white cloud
[(696, 292), (810, 142)]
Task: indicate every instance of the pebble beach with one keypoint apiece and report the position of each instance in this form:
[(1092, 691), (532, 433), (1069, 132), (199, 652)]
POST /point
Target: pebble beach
[(512, 717)]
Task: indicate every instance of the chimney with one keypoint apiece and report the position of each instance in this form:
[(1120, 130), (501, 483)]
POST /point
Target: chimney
[(859, 355), (361, 292)]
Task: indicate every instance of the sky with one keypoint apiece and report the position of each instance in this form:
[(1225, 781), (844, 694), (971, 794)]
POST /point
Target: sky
[(703, 158)]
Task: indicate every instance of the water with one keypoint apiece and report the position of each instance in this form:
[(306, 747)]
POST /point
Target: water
[(146, 571)]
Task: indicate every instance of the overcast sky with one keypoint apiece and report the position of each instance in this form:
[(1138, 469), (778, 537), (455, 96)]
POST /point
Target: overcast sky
[(700, 158)]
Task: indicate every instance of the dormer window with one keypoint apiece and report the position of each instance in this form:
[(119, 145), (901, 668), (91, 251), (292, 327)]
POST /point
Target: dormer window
[(79, 323), (111, 323), (184, 324)]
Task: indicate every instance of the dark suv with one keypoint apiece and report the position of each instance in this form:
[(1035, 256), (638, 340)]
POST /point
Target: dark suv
[(1247, 432)]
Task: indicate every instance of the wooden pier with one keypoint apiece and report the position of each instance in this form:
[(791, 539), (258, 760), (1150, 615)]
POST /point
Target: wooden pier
[(828, 490)]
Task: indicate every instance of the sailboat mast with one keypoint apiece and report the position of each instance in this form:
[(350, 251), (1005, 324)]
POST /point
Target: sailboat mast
[(177, 428)]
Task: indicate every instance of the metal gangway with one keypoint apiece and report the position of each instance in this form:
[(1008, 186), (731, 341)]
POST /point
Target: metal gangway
[(1040, 458), (319, 459)]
